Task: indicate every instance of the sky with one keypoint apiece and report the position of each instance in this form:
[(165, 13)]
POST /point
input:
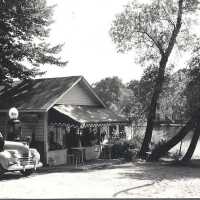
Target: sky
[(84, 28)]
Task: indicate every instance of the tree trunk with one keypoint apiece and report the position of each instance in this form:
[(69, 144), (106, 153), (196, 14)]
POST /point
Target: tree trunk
[(163, 149), (159, 82), (152, 111), (193, 144)]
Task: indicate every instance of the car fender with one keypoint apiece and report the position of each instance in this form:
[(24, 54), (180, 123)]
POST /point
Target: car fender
[(4, 159)]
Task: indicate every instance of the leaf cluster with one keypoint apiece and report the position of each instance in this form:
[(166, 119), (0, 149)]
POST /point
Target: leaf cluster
[(143, 89), (109, 89), (149, 27), (193, 87), (24, 27)]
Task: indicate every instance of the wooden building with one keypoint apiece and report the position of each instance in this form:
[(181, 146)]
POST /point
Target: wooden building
[(55, 110)]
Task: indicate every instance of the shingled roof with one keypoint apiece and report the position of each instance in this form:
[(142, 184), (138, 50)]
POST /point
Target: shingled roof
[(89, 114), (37, 94)]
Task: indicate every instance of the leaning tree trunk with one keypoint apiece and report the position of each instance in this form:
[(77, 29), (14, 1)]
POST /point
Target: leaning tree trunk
[(158, 86), (163, 149), (193, 144), (152, 111)]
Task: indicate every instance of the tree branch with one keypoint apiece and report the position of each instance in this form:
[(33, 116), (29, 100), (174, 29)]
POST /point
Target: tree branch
[(176, 28), (158, 45), (168, 19)]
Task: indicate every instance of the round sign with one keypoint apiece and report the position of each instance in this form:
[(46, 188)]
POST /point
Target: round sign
[(13, 113)]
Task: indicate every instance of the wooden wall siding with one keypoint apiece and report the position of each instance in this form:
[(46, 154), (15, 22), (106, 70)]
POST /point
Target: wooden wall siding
[(40, 131), (45, 137), (28, 127), (37, 126), (27, 130), (79, 95), (3, 122)]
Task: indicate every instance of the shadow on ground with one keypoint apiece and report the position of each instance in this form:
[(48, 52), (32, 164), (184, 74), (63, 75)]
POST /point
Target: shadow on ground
[(11, 176), (162, 170), (157, 172), (136, 170), (87, 167)]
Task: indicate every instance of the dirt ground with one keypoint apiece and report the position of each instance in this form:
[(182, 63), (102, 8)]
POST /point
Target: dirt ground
[(134, 180)]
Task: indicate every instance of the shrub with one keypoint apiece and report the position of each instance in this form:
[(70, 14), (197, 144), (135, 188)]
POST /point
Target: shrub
[(126, 149), (160, 143), (136, 141), (121, 150)]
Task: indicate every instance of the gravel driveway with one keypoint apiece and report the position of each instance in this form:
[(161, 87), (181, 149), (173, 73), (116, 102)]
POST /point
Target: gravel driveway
[(125, 180)]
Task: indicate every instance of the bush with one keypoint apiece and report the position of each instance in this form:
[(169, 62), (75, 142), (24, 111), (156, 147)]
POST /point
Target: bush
[(136, 141), (120, 150), (126, 149), (156, 146)]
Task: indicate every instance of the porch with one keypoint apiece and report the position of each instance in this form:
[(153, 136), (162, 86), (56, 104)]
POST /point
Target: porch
[(76, 134)]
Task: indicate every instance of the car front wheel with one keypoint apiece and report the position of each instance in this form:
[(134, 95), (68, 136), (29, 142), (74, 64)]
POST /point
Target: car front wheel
[(2, 170), (27, 172)]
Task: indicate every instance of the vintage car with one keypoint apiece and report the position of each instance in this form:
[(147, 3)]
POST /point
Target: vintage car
[(17, 156)]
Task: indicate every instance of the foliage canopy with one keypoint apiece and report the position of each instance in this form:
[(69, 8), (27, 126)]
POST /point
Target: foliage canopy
[(154, 28), (149, 28), (24, 27)]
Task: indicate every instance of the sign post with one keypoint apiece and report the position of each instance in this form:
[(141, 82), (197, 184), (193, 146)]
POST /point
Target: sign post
[(13, 113), (15, 123)]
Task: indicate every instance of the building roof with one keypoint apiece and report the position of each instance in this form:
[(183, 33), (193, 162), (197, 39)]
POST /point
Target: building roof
[(89, 114), (36, 94)]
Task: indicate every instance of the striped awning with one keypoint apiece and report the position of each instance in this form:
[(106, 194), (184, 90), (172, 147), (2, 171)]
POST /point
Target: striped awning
[(90, 115)]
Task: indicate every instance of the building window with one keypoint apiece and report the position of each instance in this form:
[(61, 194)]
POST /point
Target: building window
[(56, 137), (122, 133)]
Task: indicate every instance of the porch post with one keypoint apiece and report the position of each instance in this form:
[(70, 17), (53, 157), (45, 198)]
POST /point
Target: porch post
[(117, 129), (79, 135), (46, 137), (108, 132)]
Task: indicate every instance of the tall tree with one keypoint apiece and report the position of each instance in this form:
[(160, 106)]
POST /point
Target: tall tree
[(143, 89), (109, 89), (24, 27), (165, 147), (135, 107), (193, 87), (192, 110), (173, 99), (193, 144), (154, 28)]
